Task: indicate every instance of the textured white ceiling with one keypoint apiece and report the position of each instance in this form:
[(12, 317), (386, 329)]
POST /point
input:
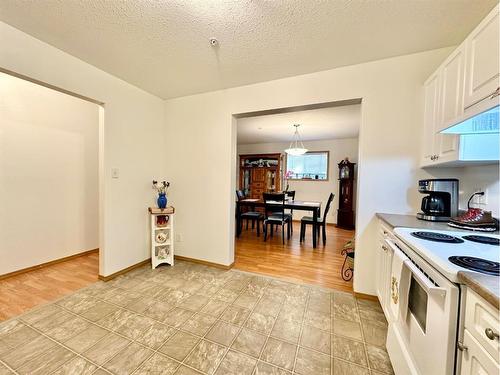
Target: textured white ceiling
[(162, 46), (316, 124)]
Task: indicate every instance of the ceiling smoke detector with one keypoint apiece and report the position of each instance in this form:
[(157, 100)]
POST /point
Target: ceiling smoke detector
[(213, 42)]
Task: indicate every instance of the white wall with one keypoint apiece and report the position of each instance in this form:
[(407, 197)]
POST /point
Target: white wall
[(131, 140), (48, 174), (201, 156), (313, 190), (477, 177)]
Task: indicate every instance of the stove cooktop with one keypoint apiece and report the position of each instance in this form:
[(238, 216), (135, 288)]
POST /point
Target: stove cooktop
[(437, 247)]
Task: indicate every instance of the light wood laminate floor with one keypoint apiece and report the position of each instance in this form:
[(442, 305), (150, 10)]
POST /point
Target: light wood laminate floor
[(21, 292), (295, 261)]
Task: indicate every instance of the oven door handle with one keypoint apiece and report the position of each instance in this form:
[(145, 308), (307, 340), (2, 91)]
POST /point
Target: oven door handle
[(428, 286)]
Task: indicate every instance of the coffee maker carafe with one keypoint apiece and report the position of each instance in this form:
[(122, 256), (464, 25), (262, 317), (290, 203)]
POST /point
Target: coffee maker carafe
[(441, 201)]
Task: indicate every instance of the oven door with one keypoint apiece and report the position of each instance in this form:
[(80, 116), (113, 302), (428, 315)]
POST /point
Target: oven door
[(427, 322)]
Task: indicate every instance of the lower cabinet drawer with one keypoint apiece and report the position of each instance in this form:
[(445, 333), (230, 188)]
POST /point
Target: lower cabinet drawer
[(482, 321), (475, 360)]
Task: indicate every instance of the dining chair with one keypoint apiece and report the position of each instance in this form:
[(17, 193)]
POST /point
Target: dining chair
[(290, 194), (320, 224), (275, 214), (253, 216)]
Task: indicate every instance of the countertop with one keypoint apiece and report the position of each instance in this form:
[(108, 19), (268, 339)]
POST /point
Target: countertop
[(486, 286)]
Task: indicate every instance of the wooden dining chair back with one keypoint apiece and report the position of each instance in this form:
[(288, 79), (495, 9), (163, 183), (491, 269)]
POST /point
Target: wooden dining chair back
[(274, 204), (320, 224), (248, 215), (291, 195)]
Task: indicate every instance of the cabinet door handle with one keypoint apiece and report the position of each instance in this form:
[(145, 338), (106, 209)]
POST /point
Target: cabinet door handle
[(384, 248), (462, 347), (492, 335), (496, 93)]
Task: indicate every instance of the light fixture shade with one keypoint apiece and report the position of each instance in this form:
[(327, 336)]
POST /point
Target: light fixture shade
[(296, 146), (296, 151)]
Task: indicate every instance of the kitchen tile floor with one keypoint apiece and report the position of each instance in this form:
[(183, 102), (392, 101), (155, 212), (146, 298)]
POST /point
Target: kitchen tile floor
[(194, 319)]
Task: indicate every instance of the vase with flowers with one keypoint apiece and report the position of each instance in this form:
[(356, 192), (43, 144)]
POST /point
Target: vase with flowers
[(161, 188)]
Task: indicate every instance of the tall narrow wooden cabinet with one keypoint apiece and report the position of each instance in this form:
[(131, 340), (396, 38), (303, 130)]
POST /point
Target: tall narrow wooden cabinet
[(345, 213), (260, 173)]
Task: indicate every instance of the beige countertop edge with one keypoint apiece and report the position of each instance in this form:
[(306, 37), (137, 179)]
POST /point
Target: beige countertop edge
[(486, 286)]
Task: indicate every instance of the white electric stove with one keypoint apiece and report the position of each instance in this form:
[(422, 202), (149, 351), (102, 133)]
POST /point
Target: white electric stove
[(438, 247)]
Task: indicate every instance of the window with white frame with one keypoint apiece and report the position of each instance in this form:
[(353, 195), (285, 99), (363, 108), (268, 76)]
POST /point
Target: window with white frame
[(313, 165)]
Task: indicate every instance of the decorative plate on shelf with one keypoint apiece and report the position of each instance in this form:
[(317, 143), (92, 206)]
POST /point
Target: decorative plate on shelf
[(161, 237)]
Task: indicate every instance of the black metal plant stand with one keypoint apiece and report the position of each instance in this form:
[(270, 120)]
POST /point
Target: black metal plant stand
[(347, 270)]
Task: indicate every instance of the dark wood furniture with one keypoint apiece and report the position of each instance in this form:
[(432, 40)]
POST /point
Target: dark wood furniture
[(274, 208), (260, 173), (290, 194), (253, 216), (308, 220), (313, 207), (345, 212)]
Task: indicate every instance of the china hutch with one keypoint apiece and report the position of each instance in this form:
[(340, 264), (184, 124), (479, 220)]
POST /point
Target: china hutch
[(345, 212), (260, 173)]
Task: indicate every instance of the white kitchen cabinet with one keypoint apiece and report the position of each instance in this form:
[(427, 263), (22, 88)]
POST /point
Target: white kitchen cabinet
[(384, 265), (482, 50), (464, 85), (475, 360), (480, 345)]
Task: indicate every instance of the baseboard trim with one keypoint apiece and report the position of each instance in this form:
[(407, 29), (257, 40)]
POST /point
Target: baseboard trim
[(125, 270), (50, 263), (365, 296), (204, 262)]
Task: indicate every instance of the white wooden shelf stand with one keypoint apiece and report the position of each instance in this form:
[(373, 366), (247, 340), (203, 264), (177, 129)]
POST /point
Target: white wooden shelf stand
[(162, 235)]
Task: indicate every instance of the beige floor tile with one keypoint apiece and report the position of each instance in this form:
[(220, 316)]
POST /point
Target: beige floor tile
[(20, 335), (268, 306), (349, 350), (141, 305), (235, 315), (379, 359), (292, 312), (68, 329), (285, 329), (136, 326), (320, 304), (157, 365), (312, 363), (103, 350), (5, 371), (159, 310), (206, 356), (184, 370), (346, 368), (177, 317), (375, 332), (37, 314), (128, 360), (25, 353), (369, 304), (318, 319), (347, 328), (77, 302), (227, 295), (316, 339), (215, 307), (53, 321), (47, 362), (236, 363), (199, 324), (179, 345), (279, 353), (249, 342), (115, 320), (369, 314), (260, 322), (155, 335), (99, 311), (194, 302), (222, 333), (246, 300), (76, 366), (86, 338), (267, 369)]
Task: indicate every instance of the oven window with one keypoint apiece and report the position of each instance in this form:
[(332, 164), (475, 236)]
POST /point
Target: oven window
[(417, 303)]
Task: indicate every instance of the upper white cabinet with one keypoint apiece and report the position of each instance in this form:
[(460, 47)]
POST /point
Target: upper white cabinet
[(482, 46), (465, 84)]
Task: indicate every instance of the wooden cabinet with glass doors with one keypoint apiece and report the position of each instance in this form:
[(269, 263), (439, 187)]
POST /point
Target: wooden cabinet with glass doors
[(260, 173)]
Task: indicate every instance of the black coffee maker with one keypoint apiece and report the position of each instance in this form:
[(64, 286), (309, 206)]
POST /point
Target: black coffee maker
[(441, 201)]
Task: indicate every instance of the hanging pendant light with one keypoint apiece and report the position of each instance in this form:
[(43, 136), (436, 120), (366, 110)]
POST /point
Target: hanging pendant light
[(296, 146)]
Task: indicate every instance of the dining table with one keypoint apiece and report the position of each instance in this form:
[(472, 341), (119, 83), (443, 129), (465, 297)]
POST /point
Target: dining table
[(311, 206)]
